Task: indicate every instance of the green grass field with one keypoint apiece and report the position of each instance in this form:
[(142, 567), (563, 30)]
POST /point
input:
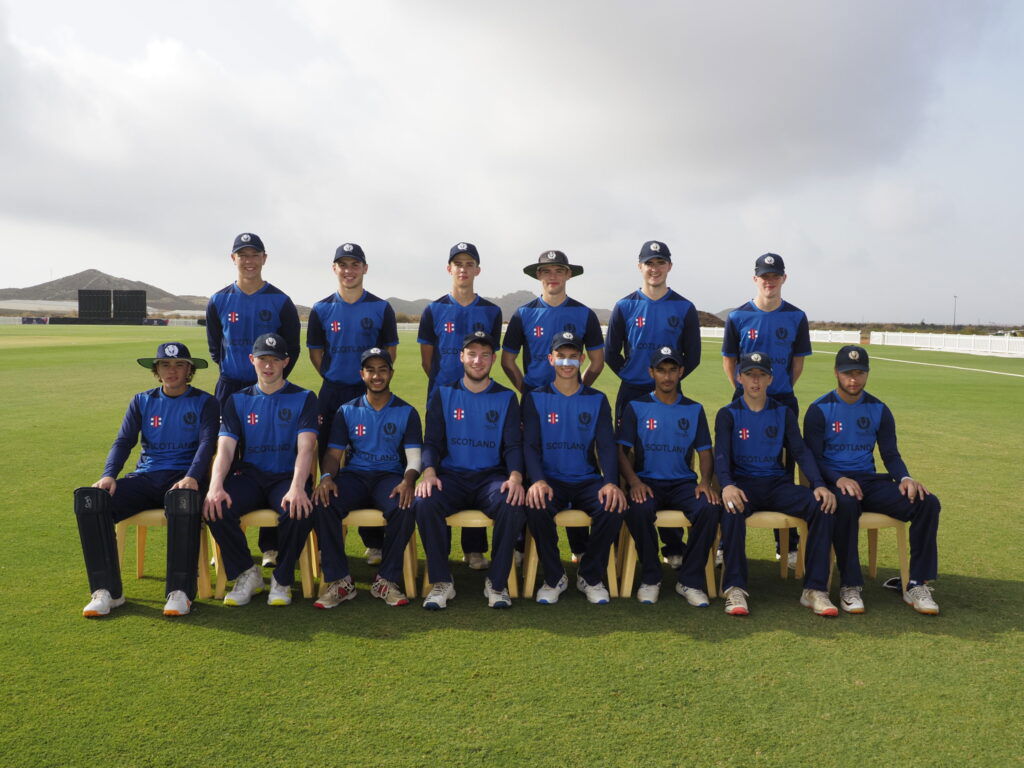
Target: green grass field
[(565, 685)]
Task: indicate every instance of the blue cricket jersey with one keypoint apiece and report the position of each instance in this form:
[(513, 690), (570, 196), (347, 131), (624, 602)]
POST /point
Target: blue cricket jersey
[(444, 324), (782, 334), (178, 433), (235, 319), (842, 437), (664, 437), (267, 427), (344, 331), (639, 325), (473, 431), (748, 444), (569, 437), (377, 439), (532, 327)]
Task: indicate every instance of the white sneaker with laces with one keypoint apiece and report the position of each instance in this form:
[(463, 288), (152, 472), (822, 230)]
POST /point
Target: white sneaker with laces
[(495, 598), (177, 604), (817, 600), (698, 598), (389, 592), (373, 556), (476, 561), (440, 594), (548, 595), (647, 594), (270, 558), (719, 557), (596, 593), (736, 602), (920, 597), (101, 604), (850, 600), (279, 594), (248, 583), (335, 593), (673, 561)]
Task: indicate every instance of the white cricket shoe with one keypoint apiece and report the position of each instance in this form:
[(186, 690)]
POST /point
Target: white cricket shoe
[(920, 597), (248, 583), (647, 594), (698, 598), (596, 593), (817, 600), (270, 558), (439, 595), (335, 593), (850, 600), (736, 602), (373, 556), (177, 604), (548, 595), (673, 561), (388, 591), (496, 598), (101, 604), (476, 561), (279, 594)]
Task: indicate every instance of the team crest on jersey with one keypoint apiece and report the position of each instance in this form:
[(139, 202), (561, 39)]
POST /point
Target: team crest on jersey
[(155, 421), (190, 417), (492, 417), (284, 414), (538, 331), (449, 327), (584, 418), (366, 323), (552, 418), (335, 327), (651, 424), (684, 425), (459, 414), (837, 427), (639, 322), (252, 418), (232, 317), (752, 334), (673, 321), (744, 433), (771, 432), (360, 430), (863, 422), (390, 428), (265, 315), (781, 333)]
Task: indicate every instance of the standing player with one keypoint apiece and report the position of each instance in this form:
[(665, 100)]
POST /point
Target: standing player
[(750, 434), (443, 326), (841, 429), (235, 316), (646, 320), (385, 439), (472, 459), (341, 326), (772, 327), (178, 426), (571, 461), (662, 430), (273, 424)]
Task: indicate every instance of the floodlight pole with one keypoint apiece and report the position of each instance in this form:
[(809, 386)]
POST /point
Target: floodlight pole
[(954, 312)]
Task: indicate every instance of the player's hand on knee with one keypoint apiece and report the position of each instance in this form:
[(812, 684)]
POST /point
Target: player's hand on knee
[(404, 491), (107, 484), (912, 489), (539, 495), (186, 484), (827, 499), (513, 488), (324, 490), (849, 487), (640, 491), (427, 484), (297, 504), (613, 498), (213, 504), (708, 491), (734, 498)]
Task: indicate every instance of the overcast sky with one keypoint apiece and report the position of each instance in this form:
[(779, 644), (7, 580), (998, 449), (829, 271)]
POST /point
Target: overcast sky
[(875, 145)]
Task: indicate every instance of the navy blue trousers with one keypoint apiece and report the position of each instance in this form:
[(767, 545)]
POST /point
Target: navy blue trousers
[(703, 516), (882, 495), (363, 490), (250, 490), (478, 491), (778, 495), (604, 529)]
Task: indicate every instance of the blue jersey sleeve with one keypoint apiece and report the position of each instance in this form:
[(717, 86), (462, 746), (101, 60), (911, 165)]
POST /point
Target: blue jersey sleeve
[(339, 431), (513, 340), (426, 333), (723, 447), (689, 341), (532, 440), (434, 437), (209, 422), (413, 436), (496, 326), (388, 336), (616, 340), (607, 453), (802, 342), (512, 438), (887, 447), (592, 337), (798, 450), (814, 437), (291, 331), (214, 333), (627, 427), (730, 343), (315, 336), (702, 440), (308, 421), (127, 437), (230, 424)]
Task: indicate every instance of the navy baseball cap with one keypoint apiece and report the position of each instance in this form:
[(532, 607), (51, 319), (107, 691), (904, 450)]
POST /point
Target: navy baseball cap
[(373, 352), (171, 350), (247, 240), (467, 248), (755, 360), (654, 249), (566, 339), (852, 358), (270, 344), (479, 337), (552, 257), (768, 263), (349, 251), (666, 354)]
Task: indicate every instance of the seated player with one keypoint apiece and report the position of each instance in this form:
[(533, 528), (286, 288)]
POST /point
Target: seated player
[(472, 459), (841, 429), (750, 434), (563, 423), (273, 424), (383, 438), (178, 427), (662, 430)]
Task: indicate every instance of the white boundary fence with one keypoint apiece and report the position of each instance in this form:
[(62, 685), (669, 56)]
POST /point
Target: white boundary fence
[(952, 342), (838, 337)]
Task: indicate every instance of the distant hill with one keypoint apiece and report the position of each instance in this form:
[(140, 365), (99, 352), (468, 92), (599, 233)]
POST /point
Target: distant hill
[(66, 289)]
